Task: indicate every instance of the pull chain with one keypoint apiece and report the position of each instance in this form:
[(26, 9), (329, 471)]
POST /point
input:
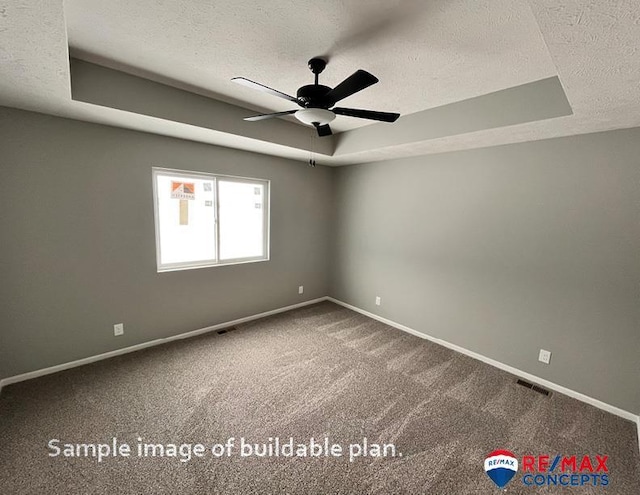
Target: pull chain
[(312, 143)]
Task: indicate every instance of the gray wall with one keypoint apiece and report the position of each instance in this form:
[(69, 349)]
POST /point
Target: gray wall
[(78, 242), (504, 251)]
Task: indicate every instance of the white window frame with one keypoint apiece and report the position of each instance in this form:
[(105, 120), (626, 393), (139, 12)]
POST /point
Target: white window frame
[(189, 265)]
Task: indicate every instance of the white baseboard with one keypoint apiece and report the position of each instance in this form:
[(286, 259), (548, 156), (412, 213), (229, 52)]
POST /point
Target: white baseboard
[(125, 350), (505, 367)]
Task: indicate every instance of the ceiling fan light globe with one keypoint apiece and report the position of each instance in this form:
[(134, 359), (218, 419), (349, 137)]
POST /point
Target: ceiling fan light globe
[(310, 116)]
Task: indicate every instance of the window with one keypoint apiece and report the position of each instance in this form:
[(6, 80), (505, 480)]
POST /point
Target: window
[(209, 220)]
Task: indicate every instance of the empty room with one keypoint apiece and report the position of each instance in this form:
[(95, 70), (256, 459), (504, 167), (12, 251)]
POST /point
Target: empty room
[(320, 247)]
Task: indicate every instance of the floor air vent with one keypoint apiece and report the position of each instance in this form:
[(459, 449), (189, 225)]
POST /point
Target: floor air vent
[(533, 387), (225, 330)]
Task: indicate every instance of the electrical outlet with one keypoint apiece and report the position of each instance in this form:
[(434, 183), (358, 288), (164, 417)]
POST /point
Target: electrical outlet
[(300, 289), (118, 329), (544, 356), (378, 301)]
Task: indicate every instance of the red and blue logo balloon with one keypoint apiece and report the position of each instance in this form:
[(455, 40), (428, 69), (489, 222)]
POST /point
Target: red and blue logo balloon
[(501, 466)]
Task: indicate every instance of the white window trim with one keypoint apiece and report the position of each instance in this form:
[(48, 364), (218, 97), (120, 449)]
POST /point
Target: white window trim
[(191, 265)]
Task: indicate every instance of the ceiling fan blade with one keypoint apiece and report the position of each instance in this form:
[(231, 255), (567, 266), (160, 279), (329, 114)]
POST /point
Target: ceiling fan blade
[(366, 114), (266, 116), (323, 130), (357, 81), (262, 87)]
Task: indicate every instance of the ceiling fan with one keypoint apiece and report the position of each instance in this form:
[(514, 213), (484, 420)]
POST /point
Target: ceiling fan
[(317, 101)]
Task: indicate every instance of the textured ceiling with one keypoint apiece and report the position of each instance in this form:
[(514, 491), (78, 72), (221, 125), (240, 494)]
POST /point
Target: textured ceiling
[(426, 54)]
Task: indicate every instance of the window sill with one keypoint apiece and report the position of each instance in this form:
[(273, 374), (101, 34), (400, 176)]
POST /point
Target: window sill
[(210, 265)]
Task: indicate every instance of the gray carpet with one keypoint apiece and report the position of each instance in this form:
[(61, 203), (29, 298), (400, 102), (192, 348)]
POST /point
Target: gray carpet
[(314, 372)]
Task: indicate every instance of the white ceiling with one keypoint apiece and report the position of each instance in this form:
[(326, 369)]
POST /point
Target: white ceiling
[(425, 53)]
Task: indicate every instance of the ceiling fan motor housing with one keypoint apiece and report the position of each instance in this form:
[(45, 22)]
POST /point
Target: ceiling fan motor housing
[(313, 96)]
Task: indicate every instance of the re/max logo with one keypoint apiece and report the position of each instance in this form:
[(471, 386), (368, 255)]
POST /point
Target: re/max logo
[(565, 470), (565, 463), (502, 462)]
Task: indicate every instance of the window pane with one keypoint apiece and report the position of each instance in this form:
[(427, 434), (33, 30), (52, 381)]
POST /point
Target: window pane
[(241, 219), (186, 219)]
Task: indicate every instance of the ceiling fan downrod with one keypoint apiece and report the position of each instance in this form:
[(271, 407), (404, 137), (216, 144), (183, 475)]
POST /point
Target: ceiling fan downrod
[(317, 65)]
